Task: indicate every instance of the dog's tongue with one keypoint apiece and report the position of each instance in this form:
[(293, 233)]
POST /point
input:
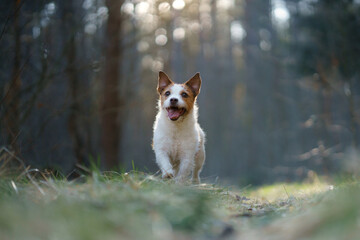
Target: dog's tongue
[(174, 113)]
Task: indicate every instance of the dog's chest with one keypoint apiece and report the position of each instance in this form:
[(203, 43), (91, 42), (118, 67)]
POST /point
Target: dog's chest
[(182, 139), (179, 141)]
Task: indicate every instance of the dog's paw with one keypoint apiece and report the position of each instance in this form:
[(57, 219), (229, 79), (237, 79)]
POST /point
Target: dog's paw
[(182, 180), (167, 176), (195, 181)]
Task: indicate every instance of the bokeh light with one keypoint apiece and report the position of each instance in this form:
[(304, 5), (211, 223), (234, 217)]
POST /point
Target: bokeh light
[(178, 4)]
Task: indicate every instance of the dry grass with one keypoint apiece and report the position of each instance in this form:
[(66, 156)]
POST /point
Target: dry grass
[(37, 205)]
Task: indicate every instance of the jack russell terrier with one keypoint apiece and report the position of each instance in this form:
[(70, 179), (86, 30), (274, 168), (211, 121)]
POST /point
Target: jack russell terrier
[(179, 141)]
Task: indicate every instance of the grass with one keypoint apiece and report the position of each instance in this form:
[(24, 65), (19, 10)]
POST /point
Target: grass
[(141, 206), (102, 207)]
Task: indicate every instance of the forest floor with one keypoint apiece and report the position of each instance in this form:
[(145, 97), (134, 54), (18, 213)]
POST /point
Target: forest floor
[(140, 206)]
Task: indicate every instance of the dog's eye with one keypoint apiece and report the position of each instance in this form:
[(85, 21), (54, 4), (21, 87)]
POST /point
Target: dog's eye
[(184, 94), (167, 93)]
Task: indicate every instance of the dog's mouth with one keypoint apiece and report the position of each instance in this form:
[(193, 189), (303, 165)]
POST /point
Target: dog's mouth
[(174, 112)]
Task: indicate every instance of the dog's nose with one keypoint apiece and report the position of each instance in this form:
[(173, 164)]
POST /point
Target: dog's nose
[(173, 100)]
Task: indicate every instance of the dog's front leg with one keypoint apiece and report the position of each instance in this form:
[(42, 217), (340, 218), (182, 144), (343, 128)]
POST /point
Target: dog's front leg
[(163, 160)]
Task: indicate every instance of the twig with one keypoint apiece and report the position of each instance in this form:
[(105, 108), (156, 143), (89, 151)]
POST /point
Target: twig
[(33, 182), (5, 149), (26, 170), (14, 186), (286, 191), (8, 19), (13, 82)]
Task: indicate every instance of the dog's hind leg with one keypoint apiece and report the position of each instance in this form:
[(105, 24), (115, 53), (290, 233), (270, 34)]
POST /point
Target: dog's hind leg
[(199, 162)]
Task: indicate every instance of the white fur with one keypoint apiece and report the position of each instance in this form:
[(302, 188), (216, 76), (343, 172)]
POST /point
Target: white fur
[(179, 145), (175, 93)]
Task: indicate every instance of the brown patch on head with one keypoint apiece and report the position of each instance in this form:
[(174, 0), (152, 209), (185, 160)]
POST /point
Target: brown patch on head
[(191, 90), (163, 93), (188, 96), (163, 82), (194, 84)]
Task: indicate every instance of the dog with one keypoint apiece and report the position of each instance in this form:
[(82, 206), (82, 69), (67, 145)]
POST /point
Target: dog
[(178, 140)]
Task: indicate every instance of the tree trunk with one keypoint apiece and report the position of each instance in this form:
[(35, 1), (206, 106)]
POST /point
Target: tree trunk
[(12, 95), (111, 109), (257, 81), (353, 118), (74, 123)]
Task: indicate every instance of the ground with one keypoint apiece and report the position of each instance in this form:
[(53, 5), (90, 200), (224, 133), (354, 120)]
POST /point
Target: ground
[(141, 206)]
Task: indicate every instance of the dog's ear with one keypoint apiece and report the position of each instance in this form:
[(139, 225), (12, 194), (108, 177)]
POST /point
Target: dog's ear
[(194, 83), (164, 81)]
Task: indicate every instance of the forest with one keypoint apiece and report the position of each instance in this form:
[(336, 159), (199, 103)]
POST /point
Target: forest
[(280, 93), (279, 103)]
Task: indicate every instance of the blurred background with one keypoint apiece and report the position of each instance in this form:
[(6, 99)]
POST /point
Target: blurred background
[(280, 99)]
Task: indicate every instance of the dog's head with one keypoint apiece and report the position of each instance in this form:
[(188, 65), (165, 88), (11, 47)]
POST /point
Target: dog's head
[(178, 99)]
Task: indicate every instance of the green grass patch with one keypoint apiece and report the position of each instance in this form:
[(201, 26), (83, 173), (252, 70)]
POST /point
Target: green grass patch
[(141, 206), (103, 207)]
